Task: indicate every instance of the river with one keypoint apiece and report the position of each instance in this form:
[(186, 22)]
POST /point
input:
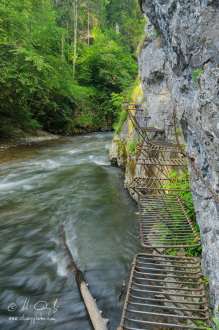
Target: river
[(68, 181)]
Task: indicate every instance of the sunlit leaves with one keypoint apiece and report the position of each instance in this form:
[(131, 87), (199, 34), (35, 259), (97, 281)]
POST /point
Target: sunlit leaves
[(36, 47)]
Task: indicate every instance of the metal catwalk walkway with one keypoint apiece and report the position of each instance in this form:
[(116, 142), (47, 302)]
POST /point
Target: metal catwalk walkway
[(132, 110), (149, 185), (163, 162), (164, 291), (164, 222)]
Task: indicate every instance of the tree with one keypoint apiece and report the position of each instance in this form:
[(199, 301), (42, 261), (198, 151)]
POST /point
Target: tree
[(37, 41), (75, 35)]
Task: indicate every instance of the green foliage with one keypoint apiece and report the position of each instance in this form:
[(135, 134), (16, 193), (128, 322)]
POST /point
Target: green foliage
[(205, 280), (118, 125), (106, 65), (136, 91), (172, 252), (36, 48), (189, 251), (128, 17), (178, 131), (214, 324), (33, 93), (117, 99), (140, 5), (35, 88), (132, 145), (185, 185), (215, 321), (141, 43), (196, 74), (195, 251), (109, 68)]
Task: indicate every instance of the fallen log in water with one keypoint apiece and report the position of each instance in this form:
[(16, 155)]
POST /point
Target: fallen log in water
[(98, 322)]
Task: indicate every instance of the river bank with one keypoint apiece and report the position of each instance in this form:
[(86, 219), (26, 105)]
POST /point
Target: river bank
[(26, 139), (41, 136)]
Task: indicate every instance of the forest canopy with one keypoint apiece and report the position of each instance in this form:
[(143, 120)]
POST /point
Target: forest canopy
[(65, 64)]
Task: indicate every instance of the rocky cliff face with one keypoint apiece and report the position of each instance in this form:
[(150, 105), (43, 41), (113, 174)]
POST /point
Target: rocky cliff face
[(189, 60), (179, 69)]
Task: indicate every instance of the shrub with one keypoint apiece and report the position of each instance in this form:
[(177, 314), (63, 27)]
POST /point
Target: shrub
[(118, 125), (196, 74), (132, 145)]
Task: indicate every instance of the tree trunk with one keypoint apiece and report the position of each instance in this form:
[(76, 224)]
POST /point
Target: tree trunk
[(68, 39), (63, 54), (88, 26), (75, 36), (95, 315)]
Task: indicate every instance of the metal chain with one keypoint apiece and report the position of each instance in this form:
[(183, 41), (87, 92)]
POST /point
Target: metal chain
[(192, 162)]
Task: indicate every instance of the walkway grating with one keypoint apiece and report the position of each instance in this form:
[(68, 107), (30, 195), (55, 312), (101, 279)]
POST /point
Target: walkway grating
[(136, 117), (164, 291), (152, 147), (164, 223), (160, 145), (148, 185), (126, 104), (163, 162)]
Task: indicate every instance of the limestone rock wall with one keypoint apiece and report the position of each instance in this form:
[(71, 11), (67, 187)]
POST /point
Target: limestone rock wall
[(190, 44)]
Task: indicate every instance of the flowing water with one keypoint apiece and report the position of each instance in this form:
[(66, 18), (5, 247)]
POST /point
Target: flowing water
[(68, 181)]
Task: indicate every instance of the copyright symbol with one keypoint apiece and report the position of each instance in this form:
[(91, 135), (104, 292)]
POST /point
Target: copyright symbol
[(12, 307)]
